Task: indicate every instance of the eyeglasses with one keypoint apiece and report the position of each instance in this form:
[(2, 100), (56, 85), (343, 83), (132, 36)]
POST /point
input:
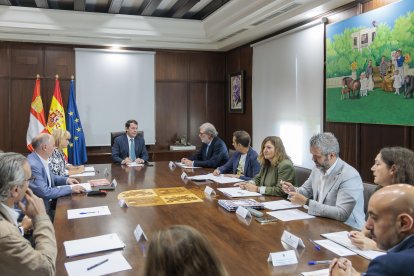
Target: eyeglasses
[(201, 133), (31, 179)]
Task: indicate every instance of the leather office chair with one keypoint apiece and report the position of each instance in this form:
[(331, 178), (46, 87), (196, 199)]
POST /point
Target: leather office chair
[(369, 189), (119, 133), (231, 153), (302, 174)]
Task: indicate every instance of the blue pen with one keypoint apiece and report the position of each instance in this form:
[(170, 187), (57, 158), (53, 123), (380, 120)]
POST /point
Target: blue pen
[(84, 213), (317, 247), (319, 262)]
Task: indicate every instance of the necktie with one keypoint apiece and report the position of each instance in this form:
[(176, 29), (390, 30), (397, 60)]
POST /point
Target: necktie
[(207, 150), (132, 150)]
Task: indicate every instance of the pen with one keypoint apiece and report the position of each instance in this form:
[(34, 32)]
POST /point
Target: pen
[(317, 247), (319, 262), (84, 213), (98, 264)]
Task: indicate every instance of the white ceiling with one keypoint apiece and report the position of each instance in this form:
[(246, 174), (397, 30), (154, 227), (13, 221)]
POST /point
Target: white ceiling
[(238, 22)]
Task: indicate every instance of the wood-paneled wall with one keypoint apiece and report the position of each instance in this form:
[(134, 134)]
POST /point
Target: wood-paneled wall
[(190, 90)]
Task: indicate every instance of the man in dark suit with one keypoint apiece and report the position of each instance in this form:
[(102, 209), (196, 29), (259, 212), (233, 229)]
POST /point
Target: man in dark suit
[(391, 223), (45, 184), (213, 152), (129, 147), (243, 164)]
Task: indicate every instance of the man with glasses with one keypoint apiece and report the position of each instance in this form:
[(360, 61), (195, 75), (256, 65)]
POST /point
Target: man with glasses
[(213, 152), (46, 185), (334, 189), (17, 256)]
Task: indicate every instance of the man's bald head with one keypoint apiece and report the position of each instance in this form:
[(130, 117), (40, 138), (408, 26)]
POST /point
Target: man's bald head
[(391, 215), (44, 144)]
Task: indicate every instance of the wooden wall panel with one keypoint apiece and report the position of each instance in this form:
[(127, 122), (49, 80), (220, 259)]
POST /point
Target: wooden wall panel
[(59, 60), (197, 110), (4, 60), (171, 116), (207, 67), (21, 97), (5, 134), (27, 60), (171, 66), (216, 105)]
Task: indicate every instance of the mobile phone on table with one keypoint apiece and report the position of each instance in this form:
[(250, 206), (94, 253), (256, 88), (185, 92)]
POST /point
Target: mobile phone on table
[(266, 220)]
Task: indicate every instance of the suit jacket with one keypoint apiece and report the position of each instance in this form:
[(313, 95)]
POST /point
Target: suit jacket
[(270, 176), (17, 256), (217, 155), (251, 166), (120, 148), (343, 197), (40, 186), (398, 261)]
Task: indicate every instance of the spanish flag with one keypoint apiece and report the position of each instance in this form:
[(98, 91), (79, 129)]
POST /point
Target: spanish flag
[(56, 113), (37, 120)]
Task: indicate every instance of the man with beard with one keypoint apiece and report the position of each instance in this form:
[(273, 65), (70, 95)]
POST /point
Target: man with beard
[(334, 189), (391, 223)]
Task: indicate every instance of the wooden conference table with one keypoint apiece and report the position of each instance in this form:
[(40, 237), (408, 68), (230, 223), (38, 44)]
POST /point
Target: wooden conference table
[(243, 247)]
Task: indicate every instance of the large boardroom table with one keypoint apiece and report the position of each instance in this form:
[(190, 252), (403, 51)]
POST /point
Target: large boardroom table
[(243, 247)]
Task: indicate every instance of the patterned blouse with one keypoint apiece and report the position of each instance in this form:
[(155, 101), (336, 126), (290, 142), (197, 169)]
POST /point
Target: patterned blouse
[(57, 163)]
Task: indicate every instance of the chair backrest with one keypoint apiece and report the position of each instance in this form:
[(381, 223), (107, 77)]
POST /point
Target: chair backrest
[(119, 133), (302, 174), (231, 153), (369, 189)]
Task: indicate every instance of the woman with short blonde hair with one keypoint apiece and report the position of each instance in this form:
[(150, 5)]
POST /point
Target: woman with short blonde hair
[(57, 161)]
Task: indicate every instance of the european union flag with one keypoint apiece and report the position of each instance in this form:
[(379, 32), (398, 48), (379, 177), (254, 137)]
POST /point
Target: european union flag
[(76, 147)]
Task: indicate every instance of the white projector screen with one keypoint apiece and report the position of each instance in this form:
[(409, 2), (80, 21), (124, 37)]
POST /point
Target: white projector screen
[(111, 88), (288, 91)]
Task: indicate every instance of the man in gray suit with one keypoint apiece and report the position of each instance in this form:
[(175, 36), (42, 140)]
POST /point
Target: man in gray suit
[(334, 189)]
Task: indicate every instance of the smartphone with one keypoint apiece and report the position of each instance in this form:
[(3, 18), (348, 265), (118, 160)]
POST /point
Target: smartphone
[(266, 220)]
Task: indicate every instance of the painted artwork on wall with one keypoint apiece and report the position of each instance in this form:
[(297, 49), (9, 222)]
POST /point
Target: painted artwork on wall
[(236, 92), (369, 67)]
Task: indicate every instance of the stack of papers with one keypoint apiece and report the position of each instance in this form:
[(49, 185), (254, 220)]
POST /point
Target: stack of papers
[(99, 182), (280, 205), (184, 166), (86, 186), (232, 205), (288, 215), (342, 238), (109, 263), (335, 248), (88, 212), (135, 164), (237, 192), (219, 179), (89, 171), (92, 245)]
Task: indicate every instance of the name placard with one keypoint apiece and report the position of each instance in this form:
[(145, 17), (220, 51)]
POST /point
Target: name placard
[(171, 165), (184, 176), (114, 183), (122, 203), (243, 212), (292, 240), (283, 258), (139, 234), (209, 191)]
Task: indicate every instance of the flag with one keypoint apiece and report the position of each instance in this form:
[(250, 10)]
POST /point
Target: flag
[(37, 120), (56, 113), (77, 147)]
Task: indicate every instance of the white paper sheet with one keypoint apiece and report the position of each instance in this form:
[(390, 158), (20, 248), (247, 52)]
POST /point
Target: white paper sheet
[(88, 212), (83, 174), (219, 179), (237, 192), (93, 244), (321, 272), (335, 248), (184, 166), (86, 186), (135, 164), (89, 169), (342, 238), (116, 262), (288, 215), (280, 205)]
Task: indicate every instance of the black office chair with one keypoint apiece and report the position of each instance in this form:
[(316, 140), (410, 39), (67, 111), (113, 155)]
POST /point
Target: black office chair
[(302, 174), (369, 189), (231, 153), (119, 133)]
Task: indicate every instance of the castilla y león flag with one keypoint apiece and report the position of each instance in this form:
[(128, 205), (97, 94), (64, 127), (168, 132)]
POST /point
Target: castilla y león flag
[(37, 120)]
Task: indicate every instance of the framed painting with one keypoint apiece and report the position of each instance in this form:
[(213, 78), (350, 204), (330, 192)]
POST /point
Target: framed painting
[(236, 92)]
